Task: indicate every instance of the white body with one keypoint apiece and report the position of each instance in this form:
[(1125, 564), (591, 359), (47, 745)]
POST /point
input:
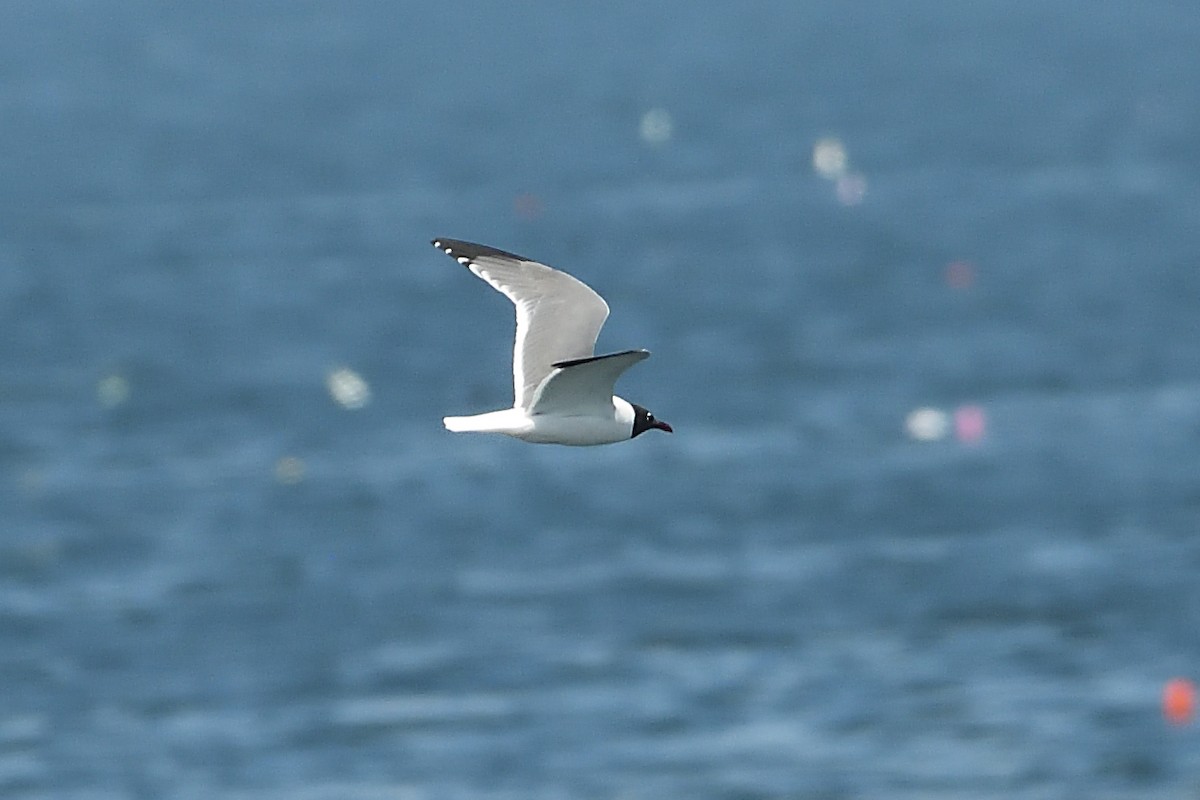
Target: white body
[(562, 394), (577, 430)]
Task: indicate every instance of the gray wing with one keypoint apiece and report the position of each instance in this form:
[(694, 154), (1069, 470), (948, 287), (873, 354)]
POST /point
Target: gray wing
[(558, 316), (584, 386)]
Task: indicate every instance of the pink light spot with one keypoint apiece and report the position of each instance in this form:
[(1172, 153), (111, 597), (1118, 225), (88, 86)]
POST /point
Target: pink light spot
[(970, 424), (960, 274), (527, 205)]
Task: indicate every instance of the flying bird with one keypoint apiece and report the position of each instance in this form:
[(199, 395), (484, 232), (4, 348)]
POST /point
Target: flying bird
[(563, 394)]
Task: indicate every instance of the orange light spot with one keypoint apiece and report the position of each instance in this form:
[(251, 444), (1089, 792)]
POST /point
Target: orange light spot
[(1179, 701)]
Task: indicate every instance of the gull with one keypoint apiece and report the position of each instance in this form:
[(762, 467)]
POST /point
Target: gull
[(563, 394)]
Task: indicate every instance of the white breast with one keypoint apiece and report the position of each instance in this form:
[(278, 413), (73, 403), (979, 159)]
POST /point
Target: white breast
[(581, 431)]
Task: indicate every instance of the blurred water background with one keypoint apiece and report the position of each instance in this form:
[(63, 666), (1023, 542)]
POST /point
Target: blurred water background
[(921, 284)]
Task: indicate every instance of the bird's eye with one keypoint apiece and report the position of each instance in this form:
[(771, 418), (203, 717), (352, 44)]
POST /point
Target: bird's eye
[(649, 417)]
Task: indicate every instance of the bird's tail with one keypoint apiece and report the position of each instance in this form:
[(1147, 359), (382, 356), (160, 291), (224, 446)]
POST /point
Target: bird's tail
[(508, 420), (458, 424)]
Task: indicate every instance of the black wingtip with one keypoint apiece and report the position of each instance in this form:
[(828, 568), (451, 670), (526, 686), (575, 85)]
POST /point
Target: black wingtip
[(465, 252), (447, 246), (575, 362)]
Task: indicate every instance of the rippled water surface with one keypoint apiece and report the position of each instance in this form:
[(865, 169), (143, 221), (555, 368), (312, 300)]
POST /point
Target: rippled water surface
[(240, 558)]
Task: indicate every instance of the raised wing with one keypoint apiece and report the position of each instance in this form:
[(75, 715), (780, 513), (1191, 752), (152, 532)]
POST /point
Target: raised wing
[(583, 386), (558, 316)]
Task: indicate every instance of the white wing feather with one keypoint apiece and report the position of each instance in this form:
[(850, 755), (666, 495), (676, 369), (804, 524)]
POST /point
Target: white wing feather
[(586, 387), (558, 316)]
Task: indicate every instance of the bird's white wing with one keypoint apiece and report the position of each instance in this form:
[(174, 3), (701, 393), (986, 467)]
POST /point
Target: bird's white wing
[(583, 386), (558, 316)]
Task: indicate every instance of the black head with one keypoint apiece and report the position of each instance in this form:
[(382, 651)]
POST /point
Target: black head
[(643, 421)]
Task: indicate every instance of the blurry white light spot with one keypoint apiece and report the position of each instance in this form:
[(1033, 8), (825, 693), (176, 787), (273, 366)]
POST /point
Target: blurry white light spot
[(656, 126), (829, 158), (112, 391), (927, 424), (289, 470), (851, 189), (347, 388)]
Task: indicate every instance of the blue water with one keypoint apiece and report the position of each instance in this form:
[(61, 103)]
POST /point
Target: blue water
[(218, 581)]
